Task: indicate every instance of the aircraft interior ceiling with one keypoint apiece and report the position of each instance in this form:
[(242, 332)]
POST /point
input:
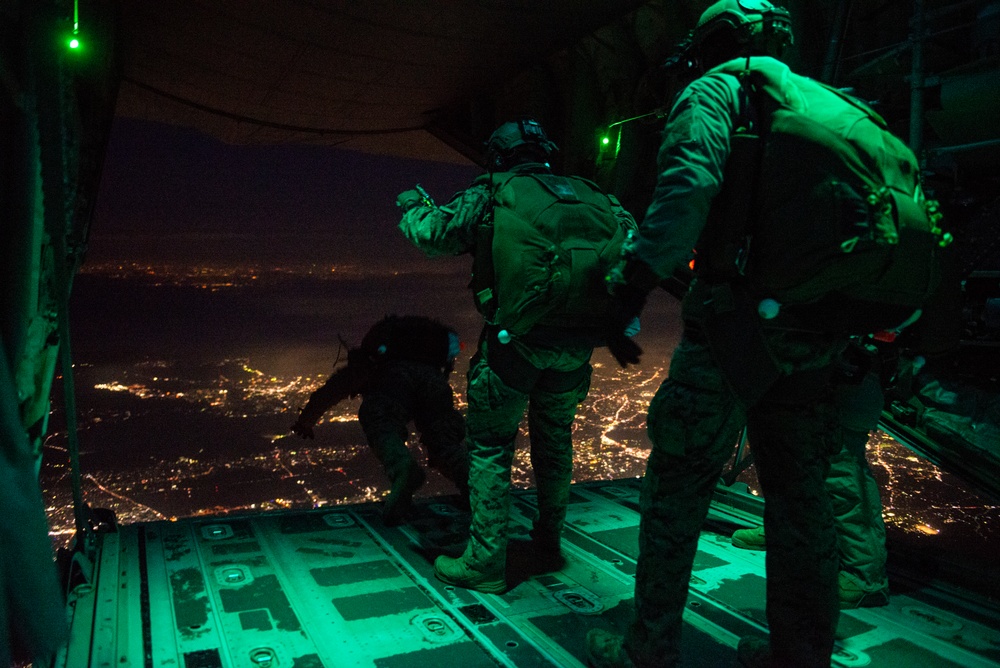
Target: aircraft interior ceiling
[(369, 76)]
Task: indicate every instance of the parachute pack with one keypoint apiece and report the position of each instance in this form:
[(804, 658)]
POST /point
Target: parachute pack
[(543, 258), (837, 228), (411, 338)]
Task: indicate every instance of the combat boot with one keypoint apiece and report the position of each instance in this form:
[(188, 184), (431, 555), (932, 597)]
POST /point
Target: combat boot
[(606, 650), (853, 594), (400, 498), (750, 539), (459, 573)]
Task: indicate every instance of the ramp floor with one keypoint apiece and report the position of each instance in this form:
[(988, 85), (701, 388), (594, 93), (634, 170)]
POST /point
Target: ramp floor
[(333, 587)]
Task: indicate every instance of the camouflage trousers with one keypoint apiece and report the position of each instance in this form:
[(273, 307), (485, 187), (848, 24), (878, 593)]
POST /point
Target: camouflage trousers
[(494, 415), (694, 422), (419, 393), (857, 507), (857, 510)]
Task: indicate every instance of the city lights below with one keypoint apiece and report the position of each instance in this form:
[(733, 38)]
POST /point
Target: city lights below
[(214, 278), (609, 442), (163, 439)]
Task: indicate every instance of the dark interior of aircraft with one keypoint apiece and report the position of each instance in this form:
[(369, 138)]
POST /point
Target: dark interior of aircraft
[(430, 80)]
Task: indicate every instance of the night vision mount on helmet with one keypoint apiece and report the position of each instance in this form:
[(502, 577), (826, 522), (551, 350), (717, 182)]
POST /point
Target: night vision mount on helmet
[(757, 24), (512, 137), (734, 28)]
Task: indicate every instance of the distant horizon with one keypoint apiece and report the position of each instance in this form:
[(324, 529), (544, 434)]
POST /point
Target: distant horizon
[(162, 179), (216, 248)]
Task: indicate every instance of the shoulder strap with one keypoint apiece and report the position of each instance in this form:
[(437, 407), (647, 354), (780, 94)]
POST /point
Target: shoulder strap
[(722, 245), (483, 279), (858, 104)]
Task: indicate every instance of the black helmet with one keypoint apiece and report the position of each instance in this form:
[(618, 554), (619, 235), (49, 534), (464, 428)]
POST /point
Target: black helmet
[(523, 139), (733, 28)]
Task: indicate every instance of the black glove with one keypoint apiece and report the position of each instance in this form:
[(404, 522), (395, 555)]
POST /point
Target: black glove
[(625, 307), (303, 428), (624, 350), (408, 199), (627, 303)]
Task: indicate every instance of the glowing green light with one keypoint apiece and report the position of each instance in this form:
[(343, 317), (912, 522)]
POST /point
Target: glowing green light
[(605, 140), (74, 42)]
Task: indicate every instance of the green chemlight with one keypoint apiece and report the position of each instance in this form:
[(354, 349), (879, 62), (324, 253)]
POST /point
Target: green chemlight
[(74, 41), (612, 136)]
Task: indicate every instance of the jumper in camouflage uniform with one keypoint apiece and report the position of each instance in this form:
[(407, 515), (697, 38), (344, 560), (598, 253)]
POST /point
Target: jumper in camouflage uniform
[(401, 371), (546, 371), (731, 189), (695, 419)]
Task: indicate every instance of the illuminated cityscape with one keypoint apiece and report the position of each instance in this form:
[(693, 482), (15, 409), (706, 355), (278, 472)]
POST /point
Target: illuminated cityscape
[(215, 278), (335, 468), (171, 438)]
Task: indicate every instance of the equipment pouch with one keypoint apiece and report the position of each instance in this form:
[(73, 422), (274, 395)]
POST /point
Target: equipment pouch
[(736, 338), (507, 363)]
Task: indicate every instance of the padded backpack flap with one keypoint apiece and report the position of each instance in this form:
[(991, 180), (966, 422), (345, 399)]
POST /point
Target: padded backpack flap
[(840, 218), (554, 239)]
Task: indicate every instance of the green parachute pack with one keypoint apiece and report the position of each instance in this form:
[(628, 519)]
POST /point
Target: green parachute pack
[(410, 338), (837, 229), (544, 257)]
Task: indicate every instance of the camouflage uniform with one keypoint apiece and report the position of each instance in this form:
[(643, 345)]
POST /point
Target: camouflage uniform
[(857, 509), (414, 392), (695, 419), (857, 506), (547, 372), (495, 412), (401, 371)]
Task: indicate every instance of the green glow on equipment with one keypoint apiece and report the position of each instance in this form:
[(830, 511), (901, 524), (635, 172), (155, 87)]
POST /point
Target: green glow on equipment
[(616, 128), (612, 134), (74, 41)]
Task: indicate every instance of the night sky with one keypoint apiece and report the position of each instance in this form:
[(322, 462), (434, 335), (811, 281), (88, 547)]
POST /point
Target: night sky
[(174, 196), (164, 182)]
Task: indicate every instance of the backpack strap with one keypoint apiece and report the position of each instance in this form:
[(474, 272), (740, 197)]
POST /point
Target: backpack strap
[(718, 306), (724, 241), (483, 280)]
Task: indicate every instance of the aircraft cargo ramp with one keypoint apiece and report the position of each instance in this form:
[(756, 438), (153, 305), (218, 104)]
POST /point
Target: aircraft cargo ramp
[(334, 587)]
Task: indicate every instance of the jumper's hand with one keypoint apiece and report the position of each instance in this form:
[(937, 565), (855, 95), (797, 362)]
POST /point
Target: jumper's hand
[(408, 199), (620, 324), (624, 350)]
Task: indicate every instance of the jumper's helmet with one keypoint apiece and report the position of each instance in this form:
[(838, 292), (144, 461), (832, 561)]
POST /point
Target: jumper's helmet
[(518, 141), (733, 28)]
